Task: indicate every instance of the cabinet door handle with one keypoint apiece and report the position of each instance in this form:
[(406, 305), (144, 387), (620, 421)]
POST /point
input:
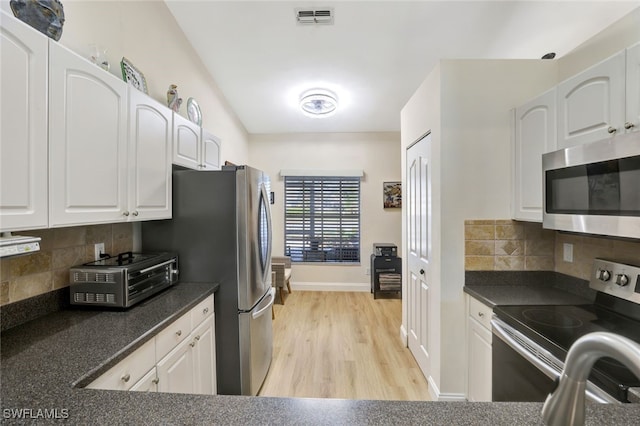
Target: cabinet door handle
[(198, 337), (480, 314), (125, 213), (179, 333), (612, 130), (192, 344), (126, 377), (421, 271), (628, 125), (155, 381), (135, 213), (205, 311)]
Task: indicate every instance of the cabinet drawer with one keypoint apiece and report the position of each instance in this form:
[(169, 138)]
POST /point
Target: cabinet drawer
[(148, 383), (480, 312), (171, 336), (128, 371), (202, 311)]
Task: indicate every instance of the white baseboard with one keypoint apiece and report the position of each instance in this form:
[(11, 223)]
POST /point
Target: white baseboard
[(404, 336), (436, 395), (311, 286)]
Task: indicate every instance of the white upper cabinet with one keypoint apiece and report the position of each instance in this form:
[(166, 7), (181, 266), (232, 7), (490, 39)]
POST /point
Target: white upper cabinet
[(186, 142), (535, 134), (23, 133), (149, 159), (194, 147), (210, 151), (591, 105), (632, 123), (88, 141)]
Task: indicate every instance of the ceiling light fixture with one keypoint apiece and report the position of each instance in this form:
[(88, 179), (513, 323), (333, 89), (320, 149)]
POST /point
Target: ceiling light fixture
[(318, 103)]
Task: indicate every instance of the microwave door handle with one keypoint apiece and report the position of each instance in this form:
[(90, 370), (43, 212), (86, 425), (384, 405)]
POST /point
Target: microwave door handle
[(159, 265)]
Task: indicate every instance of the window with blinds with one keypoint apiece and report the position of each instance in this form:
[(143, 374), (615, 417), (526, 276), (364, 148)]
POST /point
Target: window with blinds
[(322, 219)]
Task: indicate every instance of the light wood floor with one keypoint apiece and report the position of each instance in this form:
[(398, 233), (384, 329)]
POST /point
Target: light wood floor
[(341, 345)]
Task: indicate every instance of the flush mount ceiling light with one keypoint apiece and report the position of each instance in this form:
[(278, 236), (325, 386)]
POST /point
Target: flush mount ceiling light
[(318, 103)]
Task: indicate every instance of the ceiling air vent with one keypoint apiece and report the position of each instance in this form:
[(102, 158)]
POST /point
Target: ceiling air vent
[(319, 16)]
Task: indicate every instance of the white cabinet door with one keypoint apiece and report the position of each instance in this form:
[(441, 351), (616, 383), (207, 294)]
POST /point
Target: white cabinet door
[(204, 352), (479, 362), (535, 134), (150, 136), (591, 104), (176, 370), (210, 151), (23, 133), (87, 141), (148, 383), (186, 142), (632, 122)]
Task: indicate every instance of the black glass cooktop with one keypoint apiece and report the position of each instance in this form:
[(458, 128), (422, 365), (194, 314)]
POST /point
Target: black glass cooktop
[(556, 328)]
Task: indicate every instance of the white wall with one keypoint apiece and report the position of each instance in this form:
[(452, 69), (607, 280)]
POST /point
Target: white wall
[(608, 42), (466, 105), (377, 154), (146, 33)]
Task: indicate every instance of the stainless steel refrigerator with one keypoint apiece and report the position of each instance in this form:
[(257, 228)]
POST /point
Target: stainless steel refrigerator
[(221, 231)]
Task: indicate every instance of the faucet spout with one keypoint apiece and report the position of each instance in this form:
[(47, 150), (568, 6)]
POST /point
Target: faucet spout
[(566, 404)]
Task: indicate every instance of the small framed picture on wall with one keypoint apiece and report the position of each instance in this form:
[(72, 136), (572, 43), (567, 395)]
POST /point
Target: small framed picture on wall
[(392, 194)]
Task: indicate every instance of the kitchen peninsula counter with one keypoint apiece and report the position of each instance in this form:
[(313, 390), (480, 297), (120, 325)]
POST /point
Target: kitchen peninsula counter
[(45, 360)]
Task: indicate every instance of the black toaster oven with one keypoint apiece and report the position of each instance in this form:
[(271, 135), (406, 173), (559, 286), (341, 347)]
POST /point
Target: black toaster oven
[(122, 281)]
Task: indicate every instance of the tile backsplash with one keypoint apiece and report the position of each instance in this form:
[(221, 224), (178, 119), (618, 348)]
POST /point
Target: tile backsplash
[(507, 245), (525, 246), (26, 276)]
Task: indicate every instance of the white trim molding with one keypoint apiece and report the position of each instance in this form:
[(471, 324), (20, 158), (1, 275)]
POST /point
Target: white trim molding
[(340, 173), (436, 395), (317, 286)]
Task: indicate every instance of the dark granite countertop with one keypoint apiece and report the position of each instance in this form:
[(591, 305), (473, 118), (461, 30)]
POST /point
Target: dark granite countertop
[(43, 361), (495, 288)]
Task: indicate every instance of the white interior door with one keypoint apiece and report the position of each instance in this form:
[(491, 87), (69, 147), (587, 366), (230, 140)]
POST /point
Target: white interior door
[(418, 229)]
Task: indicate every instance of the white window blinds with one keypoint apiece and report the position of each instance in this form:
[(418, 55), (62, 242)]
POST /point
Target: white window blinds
[(322, 218)]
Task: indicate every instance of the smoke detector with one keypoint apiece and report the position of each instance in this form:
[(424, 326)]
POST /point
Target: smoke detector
[(322, 16)]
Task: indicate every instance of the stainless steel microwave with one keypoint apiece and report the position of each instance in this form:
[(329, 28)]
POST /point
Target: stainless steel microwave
[(594, 188)]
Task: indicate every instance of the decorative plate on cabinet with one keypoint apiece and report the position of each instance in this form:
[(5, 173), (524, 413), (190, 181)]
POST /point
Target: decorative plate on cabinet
[(193, 111)]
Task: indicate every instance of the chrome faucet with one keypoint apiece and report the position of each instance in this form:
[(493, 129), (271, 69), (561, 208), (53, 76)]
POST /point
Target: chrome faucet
[(565, 405)]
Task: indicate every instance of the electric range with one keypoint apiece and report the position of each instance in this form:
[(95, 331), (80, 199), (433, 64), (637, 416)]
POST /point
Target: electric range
[(543, 334)]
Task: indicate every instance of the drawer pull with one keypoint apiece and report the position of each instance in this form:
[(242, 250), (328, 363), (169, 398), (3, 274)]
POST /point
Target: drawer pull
[(205, 311), (155, 381), (126, 377), (179, 333), (198, 337), (480, 314), (192, 344)]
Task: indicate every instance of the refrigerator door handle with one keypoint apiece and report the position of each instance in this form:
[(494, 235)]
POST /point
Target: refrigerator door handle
[(261, 311)]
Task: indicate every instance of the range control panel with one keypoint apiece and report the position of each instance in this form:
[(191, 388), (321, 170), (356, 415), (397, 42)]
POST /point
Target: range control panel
[(618, 279)]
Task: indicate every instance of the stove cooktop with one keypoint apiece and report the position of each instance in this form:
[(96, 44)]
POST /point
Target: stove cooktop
[(616, 310)]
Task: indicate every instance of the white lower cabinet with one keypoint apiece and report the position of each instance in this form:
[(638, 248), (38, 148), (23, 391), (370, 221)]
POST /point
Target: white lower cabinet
[(148, 383), (478, 351), (128, 371), (190, 367), (204, 358), (176, 370), (180, 359)]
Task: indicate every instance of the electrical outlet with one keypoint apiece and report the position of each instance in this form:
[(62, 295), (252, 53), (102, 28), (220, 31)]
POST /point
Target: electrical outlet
[(98, 249), (567, 252)]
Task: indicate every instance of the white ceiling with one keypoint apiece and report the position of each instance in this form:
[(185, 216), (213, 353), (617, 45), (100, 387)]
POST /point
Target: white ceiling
[(374, 56)]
